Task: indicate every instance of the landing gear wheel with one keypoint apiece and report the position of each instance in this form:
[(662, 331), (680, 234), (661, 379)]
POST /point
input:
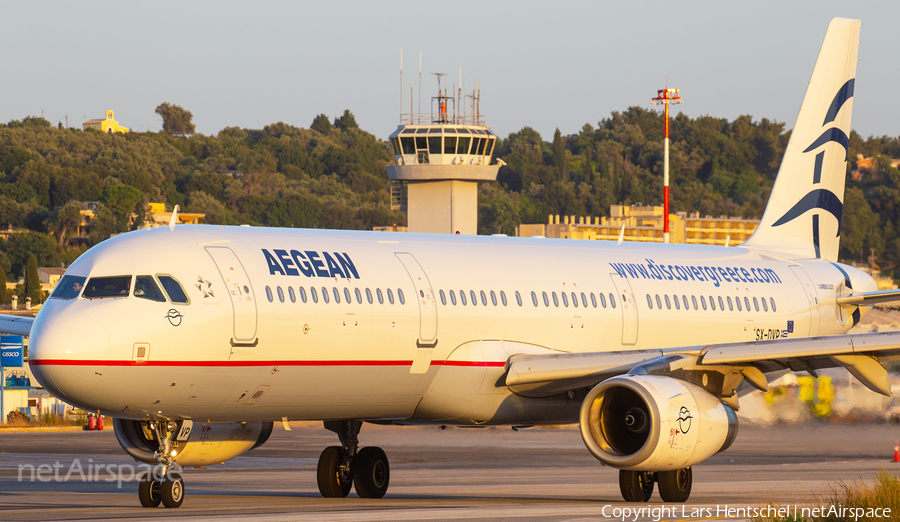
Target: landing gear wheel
[(172, 490), (148, 491), (636, 486), (371, 473), (675, 486), (329, 476)]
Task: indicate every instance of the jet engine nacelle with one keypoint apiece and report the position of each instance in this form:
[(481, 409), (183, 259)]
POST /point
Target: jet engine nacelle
[(654, 423), (208, 443)]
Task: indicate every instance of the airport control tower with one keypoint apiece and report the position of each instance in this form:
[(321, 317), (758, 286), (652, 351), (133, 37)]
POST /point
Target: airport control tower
[(440, 157)]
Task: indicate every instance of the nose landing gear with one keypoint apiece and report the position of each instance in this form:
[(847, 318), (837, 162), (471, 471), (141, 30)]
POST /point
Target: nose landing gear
[(162, 485), (342, 466)]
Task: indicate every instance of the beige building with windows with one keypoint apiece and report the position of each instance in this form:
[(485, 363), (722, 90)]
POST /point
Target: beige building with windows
[(645, 223)]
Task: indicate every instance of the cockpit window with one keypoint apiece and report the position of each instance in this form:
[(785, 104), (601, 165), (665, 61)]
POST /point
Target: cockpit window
[(145, 288), (100, 287), (69, 287), (173, 288)]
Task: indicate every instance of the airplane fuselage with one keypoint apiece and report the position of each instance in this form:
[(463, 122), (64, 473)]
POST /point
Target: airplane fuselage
[(410, 328)]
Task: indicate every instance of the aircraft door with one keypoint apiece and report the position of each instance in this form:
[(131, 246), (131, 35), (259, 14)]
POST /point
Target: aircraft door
[(243, 301), (625, 298), (427, 313), (809, 289)]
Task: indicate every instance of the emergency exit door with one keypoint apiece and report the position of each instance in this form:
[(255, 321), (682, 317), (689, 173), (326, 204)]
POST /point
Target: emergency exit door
[(240, 292), (424, 298), (625, 299)]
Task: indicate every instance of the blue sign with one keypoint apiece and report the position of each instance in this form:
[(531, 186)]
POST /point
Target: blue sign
[(12, 350)]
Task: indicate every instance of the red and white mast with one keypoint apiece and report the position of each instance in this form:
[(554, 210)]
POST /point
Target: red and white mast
[(665, 97)]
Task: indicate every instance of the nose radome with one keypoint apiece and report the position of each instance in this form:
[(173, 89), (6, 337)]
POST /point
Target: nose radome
[(68, 352)]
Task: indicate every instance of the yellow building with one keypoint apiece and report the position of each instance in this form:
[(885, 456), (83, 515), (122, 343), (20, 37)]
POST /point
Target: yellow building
[(157, 216), (109, 125), (645, 223)]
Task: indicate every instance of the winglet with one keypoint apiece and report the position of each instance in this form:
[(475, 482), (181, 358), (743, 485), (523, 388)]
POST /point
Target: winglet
[(621, 235), (172, 221)]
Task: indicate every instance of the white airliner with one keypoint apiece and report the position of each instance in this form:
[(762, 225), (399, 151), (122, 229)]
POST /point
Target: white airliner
[(197, 338)]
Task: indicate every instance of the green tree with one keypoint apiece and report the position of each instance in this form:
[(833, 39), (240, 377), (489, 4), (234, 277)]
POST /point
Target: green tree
[(3, 293), (560, 159), (121, 200), (346, 122), (321, 124), (33, 280), (176, 120), (65, 220), (859, 227)]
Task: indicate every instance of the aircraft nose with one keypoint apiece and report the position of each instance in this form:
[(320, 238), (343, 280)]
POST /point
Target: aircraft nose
[(68, 352)]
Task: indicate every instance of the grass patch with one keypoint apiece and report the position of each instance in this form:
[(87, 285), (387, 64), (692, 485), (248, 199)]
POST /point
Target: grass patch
[(857, 502)]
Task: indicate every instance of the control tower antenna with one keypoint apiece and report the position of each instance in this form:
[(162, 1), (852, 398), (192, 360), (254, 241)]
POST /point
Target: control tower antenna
[(420, 81), (665, 97), (401, 79), (442, 102)]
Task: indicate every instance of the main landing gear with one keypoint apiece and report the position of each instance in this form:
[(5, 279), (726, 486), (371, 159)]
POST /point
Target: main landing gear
[(340, 467), (674, 486), (162, 485)]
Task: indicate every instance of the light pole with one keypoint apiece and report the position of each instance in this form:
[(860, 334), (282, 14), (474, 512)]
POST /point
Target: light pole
[(665, 97)]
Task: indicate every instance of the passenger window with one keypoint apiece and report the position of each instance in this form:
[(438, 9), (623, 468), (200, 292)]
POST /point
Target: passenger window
[(575, 300), (291, 294), (593, 300), (555, 300), (684, 300), (174, 289), (677, 304), (583, 300), (484, 298), (337, 295), (747, 304), (649, 302), (534, 299), (765, 306), (472, 298), (324, 295), (502, 297), (658, 302), (358, 295), (390, 295), (302, 294), (269, 294), (612, 300), (443, 297), (565, 299), (755, 304), (145, 288), (280, 294), (68, 288), (712, 303), (347, 298), (730, 305), (493, 298), (401, 296), (668, 303), (369, 296), (603, 300), (462, 297), (546, 300), (314, 294), (772, 302), (694, 302), (703, 302), (737, 303), (379, 296), (721, 304), (453, 297)]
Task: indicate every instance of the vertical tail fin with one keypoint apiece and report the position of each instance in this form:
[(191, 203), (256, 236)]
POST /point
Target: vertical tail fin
[(803, 216)]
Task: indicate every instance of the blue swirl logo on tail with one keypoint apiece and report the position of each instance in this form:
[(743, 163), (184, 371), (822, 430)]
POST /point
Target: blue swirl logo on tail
[(819, 197)]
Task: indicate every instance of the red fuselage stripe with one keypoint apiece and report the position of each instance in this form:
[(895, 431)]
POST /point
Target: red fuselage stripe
[(85, 362)]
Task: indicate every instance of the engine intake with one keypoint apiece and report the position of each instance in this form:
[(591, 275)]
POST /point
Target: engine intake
[(209, 443), (654, 423)]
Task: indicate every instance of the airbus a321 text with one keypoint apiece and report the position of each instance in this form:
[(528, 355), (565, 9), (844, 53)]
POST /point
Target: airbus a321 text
[(197, 338)]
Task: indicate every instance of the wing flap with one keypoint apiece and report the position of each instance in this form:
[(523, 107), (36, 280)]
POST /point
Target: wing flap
[(16, 324)]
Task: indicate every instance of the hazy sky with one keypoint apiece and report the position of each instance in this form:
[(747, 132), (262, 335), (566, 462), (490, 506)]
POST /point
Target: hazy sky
[(543, 64)]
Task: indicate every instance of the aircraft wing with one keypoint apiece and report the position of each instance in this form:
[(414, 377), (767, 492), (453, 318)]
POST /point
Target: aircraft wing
[(869, 298), (16, 324), (543, 375)]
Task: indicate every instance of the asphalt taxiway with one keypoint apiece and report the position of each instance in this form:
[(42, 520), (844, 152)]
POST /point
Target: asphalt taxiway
[(452, 474)]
